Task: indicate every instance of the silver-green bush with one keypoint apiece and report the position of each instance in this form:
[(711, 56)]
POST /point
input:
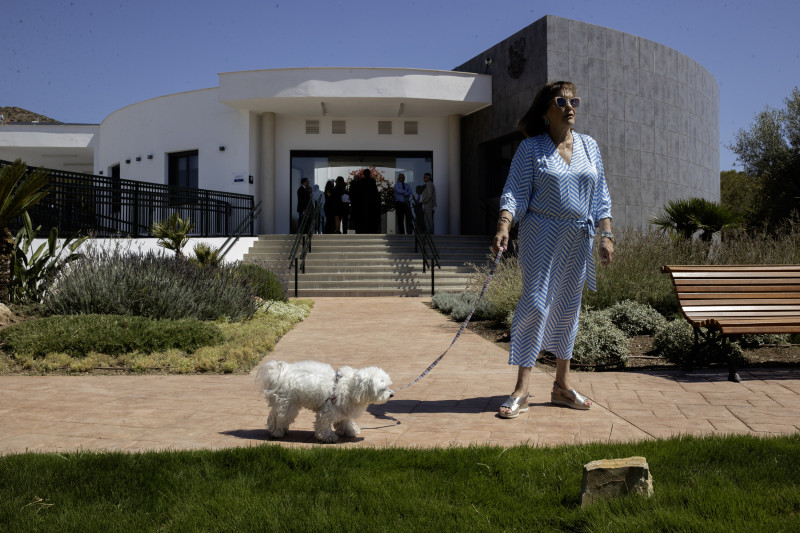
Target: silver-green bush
[(675, 342), (635, 318), (117, 281), (755, 341), (599, 342), (459, 305)]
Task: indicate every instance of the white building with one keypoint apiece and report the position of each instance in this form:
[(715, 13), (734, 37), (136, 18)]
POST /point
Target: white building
[(261, 132)]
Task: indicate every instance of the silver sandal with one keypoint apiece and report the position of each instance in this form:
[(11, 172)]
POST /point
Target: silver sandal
[(515, 406), (569, 398)]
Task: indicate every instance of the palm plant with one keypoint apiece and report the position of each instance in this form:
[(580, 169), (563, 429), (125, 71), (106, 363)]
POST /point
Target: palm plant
[(676, 218), (207, 255), (685, 217), (20, 190), (173, 233)]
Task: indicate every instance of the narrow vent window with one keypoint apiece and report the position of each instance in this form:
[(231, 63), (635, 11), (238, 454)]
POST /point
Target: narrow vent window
[(339, 127), (384, 127), (312, 127), (410, 127)]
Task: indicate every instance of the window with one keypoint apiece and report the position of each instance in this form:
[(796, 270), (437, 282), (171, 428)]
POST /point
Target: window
[(116, 190), (183, 169), (384, 127), (312, 127)]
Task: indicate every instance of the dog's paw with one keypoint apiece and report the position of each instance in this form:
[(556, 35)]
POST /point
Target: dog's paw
[(276, 433), (328, 437), (347, 429)]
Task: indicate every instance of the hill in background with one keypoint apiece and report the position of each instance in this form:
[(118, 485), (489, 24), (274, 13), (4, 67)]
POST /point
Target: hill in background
[(13, 115)]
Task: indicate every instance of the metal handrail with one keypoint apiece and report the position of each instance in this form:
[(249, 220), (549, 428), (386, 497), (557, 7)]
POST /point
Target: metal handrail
[(423, 242), (248, 220), (302, 241), (109, 206)]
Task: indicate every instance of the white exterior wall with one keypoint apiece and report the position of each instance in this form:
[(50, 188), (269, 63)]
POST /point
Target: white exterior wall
[(180, 122)]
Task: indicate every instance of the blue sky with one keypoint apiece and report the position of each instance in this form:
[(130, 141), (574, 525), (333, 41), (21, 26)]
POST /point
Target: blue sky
[(80, 60)]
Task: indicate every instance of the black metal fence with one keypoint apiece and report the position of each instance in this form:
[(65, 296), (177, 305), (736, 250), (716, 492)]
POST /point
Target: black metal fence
[(110, 206)]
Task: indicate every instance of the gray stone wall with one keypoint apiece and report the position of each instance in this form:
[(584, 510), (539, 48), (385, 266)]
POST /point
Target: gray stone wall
[(653, 111)]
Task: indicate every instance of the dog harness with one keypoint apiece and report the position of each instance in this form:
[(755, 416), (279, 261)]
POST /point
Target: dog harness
[(332, 397)]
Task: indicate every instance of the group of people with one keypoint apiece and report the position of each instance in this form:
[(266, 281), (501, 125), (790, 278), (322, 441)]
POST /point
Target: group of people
[(359, 205)]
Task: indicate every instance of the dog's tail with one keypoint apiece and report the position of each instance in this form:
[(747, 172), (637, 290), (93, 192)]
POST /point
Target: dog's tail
[(269, 374)]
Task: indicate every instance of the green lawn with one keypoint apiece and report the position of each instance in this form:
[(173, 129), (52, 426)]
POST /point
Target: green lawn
[(701, 484)]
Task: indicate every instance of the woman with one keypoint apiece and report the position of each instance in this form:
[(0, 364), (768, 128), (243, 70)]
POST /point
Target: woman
[(330, 207), (557, 191), (340, 191)]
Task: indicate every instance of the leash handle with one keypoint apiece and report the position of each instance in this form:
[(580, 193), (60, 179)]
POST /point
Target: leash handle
[(463, 324)]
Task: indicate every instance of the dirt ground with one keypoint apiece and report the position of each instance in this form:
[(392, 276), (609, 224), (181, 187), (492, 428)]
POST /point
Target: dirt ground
[(641, 346)]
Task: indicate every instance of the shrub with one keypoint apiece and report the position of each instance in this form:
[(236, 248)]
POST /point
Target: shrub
[(505, 289), (599, 342), (266, 284), (635, 318), (33, 271), (78, 335), (121, 282), (459, 305), (173, 233), (754, 341), (675, 342)]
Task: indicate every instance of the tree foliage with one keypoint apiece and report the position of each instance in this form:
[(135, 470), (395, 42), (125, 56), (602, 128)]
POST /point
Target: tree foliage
[(20, 190), (683, 218), (770, 152), (173, 233)]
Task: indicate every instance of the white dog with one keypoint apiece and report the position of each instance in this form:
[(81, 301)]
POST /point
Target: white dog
[(338, 398)]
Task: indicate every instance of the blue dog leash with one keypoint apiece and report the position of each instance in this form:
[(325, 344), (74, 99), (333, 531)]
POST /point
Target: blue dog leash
[(463, 324)]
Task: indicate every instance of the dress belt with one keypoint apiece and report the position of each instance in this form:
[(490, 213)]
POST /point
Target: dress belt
[(590, 229)]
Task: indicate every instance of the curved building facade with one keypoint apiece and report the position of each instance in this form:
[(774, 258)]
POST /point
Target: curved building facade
[(653, 111)]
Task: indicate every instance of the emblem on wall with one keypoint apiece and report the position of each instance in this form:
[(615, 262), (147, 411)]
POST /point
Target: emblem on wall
[(516, 58)]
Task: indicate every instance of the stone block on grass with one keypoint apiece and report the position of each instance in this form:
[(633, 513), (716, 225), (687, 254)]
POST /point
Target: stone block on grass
[(611, 478)]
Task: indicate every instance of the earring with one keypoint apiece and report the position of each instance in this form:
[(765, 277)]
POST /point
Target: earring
[(547, 122)]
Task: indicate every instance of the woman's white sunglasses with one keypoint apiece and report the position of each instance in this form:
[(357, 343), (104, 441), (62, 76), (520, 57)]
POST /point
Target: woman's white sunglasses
[(574, 102)]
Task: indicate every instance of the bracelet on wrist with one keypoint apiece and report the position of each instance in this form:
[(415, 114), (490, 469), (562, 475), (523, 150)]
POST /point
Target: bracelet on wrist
[(608, 235)]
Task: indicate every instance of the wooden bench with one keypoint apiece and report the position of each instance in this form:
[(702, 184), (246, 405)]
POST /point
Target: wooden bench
[(737, 299)]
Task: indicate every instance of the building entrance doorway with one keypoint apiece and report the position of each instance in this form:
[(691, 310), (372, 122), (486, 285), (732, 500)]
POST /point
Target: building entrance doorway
[(322, 167)]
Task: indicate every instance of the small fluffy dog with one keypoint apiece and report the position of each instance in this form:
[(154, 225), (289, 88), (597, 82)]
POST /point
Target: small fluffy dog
[(338, 398)]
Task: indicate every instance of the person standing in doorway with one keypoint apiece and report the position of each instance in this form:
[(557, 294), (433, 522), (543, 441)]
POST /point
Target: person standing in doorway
[(303, 198), (402, 208), (343, 216), (428, 201), (372, 203)]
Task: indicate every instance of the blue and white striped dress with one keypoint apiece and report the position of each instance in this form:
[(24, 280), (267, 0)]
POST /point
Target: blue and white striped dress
[(557, 206)]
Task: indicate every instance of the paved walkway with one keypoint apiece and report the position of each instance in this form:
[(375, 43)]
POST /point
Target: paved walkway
[(454, 405)]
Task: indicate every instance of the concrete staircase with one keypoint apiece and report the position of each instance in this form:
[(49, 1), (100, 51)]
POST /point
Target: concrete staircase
[(371, 265)]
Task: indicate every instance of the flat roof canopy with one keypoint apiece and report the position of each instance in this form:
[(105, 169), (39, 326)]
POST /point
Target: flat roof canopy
[(342, 92)]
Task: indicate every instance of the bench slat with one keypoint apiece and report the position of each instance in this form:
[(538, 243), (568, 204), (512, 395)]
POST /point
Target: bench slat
[(760, 330), (737, 287), (735, 275), (740, 305), (729, 268), (742, 295)]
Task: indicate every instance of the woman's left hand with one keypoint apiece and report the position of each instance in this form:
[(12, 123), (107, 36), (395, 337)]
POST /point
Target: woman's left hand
[(606, 251)]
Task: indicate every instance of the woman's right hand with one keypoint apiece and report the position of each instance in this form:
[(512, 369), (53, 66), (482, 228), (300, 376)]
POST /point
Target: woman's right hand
[(500, 240)]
